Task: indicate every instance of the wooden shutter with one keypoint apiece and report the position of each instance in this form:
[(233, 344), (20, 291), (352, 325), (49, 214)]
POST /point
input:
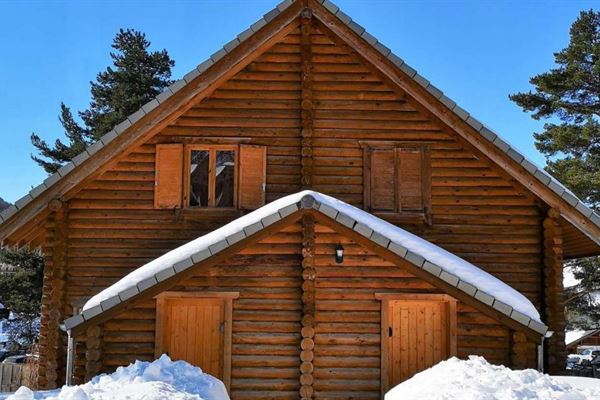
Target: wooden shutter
[(168, 181), (253, 173), (382, 178), (410, 179)]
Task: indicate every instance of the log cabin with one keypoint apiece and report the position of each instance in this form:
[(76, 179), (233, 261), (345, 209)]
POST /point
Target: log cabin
[(303, 215)]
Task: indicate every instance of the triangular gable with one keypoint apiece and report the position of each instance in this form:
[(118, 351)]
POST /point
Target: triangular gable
[(238, 53), (430, 260)]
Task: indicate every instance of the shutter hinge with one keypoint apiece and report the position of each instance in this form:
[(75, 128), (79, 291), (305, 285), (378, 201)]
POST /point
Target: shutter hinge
[(390, 331)]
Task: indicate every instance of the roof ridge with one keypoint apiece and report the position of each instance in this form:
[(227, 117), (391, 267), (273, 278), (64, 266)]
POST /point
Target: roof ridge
[(304, 200), (487, 133)]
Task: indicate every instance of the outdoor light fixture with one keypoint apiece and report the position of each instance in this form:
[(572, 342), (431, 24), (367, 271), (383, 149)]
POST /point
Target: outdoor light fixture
[(339, 254)]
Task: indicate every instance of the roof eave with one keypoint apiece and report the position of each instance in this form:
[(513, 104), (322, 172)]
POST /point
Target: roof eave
[(63, 183), (285, 215)]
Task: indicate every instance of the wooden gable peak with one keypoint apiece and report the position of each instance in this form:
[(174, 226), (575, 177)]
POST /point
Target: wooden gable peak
[(222, 64)]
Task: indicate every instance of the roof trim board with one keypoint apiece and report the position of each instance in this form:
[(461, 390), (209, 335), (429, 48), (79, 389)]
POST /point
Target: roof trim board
[(198, 81), (485, 136), (179, 260), (491, 137)]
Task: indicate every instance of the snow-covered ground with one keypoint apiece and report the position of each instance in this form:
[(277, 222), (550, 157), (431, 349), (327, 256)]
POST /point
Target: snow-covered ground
[(159, 380), (476, 379)]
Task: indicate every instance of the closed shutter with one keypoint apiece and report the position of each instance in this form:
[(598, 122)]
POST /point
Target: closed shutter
[(382, 180), (168, 183), (253, 173), (410, 179)]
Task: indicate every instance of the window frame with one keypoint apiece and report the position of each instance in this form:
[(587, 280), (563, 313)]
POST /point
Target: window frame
[(398, 213), (212, 149)]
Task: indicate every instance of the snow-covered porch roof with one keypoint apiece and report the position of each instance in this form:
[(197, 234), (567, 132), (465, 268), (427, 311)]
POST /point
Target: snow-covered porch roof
[(572, 337), (436, 261)]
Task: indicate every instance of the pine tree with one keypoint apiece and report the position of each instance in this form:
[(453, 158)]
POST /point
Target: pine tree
[(137, 76), (21, 292), (569, 96)]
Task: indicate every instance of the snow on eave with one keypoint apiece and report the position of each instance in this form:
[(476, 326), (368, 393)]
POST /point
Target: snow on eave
[(576, 335), (421, 253)]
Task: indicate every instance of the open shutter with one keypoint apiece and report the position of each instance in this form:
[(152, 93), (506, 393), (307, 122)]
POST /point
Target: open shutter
[(382, 173), (168, 182), (253, 173), (410, 179)]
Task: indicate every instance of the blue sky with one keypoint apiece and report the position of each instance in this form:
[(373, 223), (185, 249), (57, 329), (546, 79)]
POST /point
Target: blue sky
[(476, 51)]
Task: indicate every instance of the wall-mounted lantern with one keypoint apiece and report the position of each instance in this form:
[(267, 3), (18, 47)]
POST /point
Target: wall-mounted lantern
[(339, 254)]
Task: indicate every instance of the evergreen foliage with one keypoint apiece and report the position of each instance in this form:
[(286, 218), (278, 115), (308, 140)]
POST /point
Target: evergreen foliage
[(568, 96), (21, 293), (137, 76)]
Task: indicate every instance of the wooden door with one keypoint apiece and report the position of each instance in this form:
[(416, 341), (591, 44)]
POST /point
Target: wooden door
[(418, 333), (196, 327), (194, 332)]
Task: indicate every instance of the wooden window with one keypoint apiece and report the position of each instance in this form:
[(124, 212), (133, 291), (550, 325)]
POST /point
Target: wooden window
[(196, 327), (169, 179), (396, 178), (417, 332), (211, 176)]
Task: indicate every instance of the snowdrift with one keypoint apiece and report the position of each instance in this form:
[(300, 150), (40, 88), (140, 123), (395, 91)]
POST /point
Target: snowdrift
[(158, 380), (476, 379)]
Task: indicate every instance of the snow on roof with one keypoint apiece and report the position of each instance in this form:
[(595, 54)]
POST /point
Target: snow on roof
[(569, 279), (435, 260), (574, 335)]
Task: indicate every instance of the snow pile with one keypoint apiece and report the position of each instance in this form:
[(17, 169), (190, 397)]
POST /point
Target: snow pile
[(142, 380), (448, 261), (476, 379)]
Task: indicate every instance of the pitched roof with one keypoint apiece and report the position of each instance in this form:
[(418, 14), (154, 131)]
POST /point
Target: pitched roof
[(436, 261), (540, 175), (572, 337)]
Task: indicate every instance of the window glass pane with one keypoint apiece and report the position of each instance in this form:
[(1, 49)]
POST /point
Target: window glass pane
[(199, 168), (224, 173)]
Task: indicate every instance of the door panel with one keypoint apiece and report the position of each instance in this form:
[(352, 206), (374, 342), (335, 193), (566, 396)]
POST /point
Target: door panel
[(193, 332), (418, 337)]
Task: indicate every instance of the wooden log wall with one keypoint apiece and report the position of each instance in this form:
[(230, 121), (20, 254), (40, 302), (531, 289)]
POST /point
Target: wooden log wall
[(93, 351), (267, 319), (52, 340), (307, 98), (277, 312), (476, 212), (522, 352), (556, 351), (307, 345), (348, 320)]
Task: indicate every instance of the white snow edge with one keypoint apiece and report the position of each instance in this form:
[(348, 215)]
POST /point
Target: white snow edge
[(449, 262)]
